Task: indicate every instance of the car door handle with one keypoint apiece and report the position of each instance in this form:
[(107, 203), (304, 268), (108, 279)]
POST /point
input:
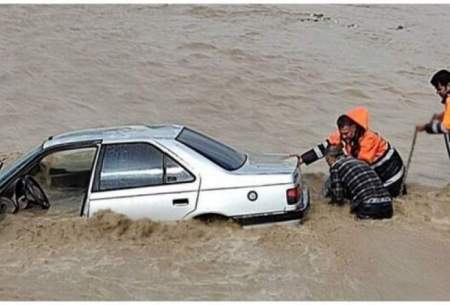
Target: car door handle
[(183, 201)]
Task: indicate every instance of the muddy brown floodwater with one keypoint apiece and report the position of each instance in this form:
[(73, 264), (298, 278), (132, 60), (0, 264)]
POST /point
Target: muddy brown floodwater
[(262, 78), (331, 256)]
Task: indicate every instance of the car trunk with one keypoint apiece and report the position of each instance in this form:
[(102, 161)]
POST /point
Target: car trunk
[(270, 164)]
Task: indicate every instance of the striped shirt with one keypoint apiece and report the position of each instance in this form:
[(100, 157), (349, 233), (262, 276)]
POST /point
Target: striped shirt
[(359, 179)]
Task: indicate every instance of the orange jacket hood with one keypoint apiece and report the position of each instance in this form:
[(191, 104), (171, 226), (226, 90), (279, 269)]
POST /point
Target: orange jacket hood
[(360, 116)]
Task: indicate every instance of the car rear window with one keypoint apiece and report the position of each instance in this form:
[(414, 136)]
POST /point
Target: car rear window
[(222, 155)]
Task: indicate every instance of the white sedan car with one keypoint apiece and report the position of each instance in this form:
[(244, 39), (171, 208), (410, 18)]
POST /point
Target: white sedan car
[(163, 172)]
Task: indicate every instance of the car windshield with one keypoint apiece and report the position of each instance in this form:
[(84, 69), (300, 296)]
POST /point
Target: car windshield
[(19, 163), (222, 155)]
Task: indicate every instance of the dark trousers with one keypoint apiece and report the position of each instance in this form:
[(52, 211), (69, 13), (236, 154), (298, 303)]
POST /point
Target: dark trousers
[(395, 188), (374, 211)]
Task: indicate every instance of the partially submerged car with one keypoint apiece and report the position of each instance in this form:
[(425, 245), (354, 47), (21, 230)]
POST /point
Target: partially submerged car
[(165, 172)]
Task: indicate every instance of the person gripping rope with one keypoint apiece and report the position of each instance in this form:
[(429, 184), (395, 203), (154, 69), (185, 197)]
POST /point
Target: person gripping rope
[(362, 143), (353, 177), (440, 122)]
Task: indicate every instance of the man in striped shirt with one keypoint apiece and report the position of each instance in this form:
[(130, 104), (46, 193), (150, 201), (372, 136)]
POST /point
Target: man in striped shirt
[(356, 179)]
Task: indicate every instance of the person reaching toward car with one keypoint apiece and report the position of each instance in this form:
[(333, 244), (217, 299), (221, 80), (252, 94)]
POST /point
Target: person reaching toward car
[(440, 122), (353, 178), (363, 144)]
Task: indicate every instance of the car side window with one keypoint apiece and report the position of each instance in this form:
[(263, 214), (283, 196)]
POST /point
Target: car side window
[(131, 165), (175, 173)]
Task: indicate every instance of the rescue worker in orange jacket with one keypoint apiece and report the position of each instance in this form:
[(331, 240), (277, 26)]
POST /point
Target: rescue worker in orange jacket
[(362, 143), (440, 122)]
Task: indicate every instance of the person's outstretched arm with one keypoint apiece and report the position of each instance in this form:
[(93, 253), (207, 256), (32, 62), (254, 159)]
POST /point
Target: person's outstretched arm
[(318, 151), (314, 154), (439, 126), (440, 123)]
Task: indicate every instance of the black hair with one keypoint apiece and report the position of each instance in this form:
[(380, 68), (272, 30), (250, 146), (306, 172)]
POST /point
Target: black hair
[(440, 78), (334, 151), (344, 120)]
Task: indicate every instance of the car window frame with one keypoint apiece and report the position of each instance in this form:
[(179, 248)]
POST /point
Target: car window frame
[(96, 183), (165, 156), (54, 149), (44, 153)]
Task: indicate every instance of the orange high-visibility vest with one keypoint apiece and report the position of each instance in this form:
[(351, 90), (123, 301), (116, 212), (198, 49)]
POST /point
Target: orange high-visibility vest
[(446, 114)]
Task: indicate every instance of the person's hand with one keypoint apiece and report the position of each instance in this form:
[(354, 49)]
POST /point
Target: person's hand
[(436, 116), (420, 127)]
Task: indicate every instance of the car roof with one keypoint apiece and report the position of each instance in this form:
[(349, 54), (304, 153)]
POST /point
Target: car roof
[(116, 133)]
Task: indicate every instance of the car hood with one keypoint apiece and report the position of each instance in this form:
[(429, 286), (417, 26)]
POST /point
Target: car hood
[(268, 164)]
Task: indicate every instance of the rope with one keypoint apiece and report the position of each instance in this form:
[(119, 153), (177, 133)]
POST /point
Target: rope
[(411, 151)]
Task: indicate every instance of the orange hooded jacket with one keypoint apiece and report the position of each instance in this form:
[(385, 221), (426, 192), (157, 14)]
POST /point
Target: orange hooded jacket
[(372, 145)]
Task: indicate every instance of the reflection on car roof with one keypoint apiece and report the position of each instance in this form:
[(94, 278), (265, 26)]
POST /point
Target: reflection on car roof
[(116, 133)]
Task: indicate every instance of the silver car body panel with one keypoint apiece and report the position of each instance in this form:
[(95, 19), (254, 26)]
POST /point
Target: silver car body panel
[(214, 190), (112, 134)]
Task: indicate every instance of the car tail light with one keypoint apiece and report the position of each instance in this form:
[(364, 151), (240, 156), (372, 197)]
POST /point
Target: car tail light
[(293, 195)]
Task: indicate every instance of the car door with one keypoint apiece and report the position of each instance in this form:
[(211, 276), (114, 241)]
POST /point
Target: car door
[(139, 180)]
